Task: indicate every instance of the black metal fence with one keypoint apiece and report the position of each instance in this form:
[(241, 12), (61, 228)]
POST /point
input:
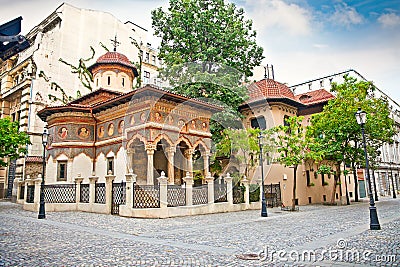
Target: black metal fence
[(59, 193), (273, 195), (220, 193), (118, 196), (22, 192), (238, 194), (30, 194), (100, 193), (254, 193), (176, 195), (200, 195), (84, 193), (146, 196)]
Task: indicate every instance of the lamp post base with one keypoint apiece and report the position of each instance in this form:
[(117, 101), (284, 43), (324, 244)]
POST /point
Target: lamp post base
[(374, 221), (42, 214), (264, 209)]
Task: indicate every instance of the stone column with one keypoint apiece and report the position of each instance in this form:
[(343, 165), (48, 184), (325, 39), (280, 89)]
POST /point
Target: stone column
[(130, 181), (171, 175), (92, 193), (109, 183), (210, 186), (229, 188), (78, 181), (20, 183), (188, 179), (189, 157), (150, 148), (245, 183), (206, 158), (37, 181), (163, 181), (129, 159)]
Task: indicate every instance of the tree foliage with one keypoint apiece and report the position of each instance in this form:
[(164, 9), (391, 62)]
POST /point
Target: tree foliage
[(12, 142), (294, 147), (208, 49), (336, 130)]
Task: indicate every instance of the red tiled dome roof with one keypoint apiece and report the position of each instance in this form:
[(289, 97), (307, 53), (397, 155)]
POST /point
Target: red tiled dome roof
[(114, 57), (269, 88), (315, 97)]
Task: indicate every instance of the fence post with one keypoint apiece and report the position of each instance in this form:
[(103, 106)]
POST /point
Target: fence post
[(20, 183), (130, 181), (109, 184), (210, 187), (229, 188), (78, 181), (189, 189), (92, 191), (245, 183), (36, 198), (163, 181)]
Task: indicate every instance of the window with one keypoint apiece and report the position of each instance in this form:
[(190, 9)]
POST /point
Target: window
[(350, 194), (323, 179), (108, 80), (62, 170), (97, 82), (147, 59), (324, 198), (110, 165), (146, 77), (308, 178), (153, 59), (258, 123), (123, 82)]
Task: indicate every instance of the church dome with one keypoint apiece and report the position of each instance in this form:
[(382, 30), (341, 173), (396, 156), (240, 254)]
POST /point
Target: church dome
[(115, 58), (269, 88)]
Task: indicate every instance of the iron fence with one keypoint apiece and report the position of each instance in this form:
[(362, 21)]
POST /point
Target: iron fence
[(59, 193), (238, 194), (100, 193), (118, 196), (220, 193), (176, 196), (273, 195), (200, 195), (22, 192), (84, 193), (30, 194), (254, 192), (146, 196)]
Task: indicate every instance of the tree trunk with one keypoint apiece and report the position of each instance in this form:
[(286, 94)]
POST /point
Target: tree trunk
[(353, 166), (335, 180), (294, 188)]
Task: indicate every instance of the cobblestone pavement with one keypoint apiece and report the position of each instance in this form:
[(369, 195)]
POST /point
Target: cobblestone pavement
[(315, 236)]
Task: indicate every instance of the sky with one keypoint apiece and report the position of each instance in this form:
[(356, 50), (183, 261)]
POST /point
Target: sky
[(303, 39)]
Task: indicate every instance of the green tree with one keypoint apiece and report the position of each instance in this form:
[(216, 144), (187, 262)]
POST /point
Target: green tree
[(208, 49), (242, 145), (12, 141), (336, 131), (294, 147)]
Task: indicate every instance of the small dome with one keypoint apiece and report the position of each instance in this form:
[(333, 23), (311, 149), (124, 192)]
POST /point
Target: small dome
[(270, 89), (114, 57)]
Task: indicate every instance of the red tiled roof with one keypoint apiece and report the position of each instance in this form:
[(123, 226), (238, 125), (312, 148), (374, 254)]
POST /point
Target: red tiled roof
[(314, 97), (114, 57), (269, 88)]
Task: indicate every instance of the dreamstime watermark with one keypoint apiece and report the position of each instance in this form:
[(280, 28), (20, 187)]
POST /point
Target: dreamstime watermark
[(341, 253)]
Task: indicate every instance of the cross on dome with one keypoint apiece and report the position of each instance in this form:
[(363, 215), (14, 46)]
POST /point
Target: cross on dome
[(115, 43)]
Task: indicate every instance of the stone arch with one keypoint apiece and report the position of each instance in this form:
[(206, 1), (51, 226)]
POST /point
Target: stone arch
[(201, 142), (137, 158), (185, 140), (165, 137), (133, 138)]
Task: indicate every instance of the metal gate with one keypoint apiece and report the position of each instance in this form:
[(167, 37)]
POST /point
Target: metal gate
[(118, 196), (273, 195)]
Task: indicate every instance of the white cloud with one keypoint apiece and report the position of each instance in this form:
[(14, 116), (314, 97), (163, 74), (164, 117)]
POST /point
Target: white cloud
[(345, 15), (389, 20), (290, 18)]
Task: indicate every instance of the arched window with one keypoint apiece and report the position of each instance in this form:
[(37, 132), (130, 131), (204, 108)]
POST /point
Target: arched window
[(108, 80), (123, 82), (259, 123)]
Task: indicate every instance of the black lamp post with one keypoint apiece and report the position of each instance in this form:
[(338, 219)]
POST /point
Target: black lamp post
[(263, 202), (391, 175), (361, 117), (42, 212)]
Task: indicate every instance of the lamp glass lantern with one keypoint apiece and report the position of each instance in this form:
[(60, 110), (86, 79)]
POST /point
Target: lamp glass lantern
[(361, 116)]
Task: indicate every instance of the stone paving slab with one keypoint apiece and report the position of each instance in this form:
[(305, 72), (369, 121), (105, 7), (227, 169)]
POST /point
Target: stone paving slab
[(87, 239)]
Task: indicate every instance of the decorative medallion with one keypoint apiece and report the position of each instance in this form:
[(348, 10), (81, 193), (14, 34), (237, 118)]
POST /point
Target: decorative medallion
[(181, 123), (83, 133), (101, 132), (170, 119), (143, 117), (110, 130), (132, 120), (158, 117), (63, 132), (204, 126), (193, 124), (121, 126)]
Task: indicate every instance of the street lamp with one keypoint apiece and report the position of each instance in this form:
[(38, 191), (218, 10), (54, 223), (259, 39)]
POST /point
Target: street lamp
[(263, 202), (361, 117), (45, 136)]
